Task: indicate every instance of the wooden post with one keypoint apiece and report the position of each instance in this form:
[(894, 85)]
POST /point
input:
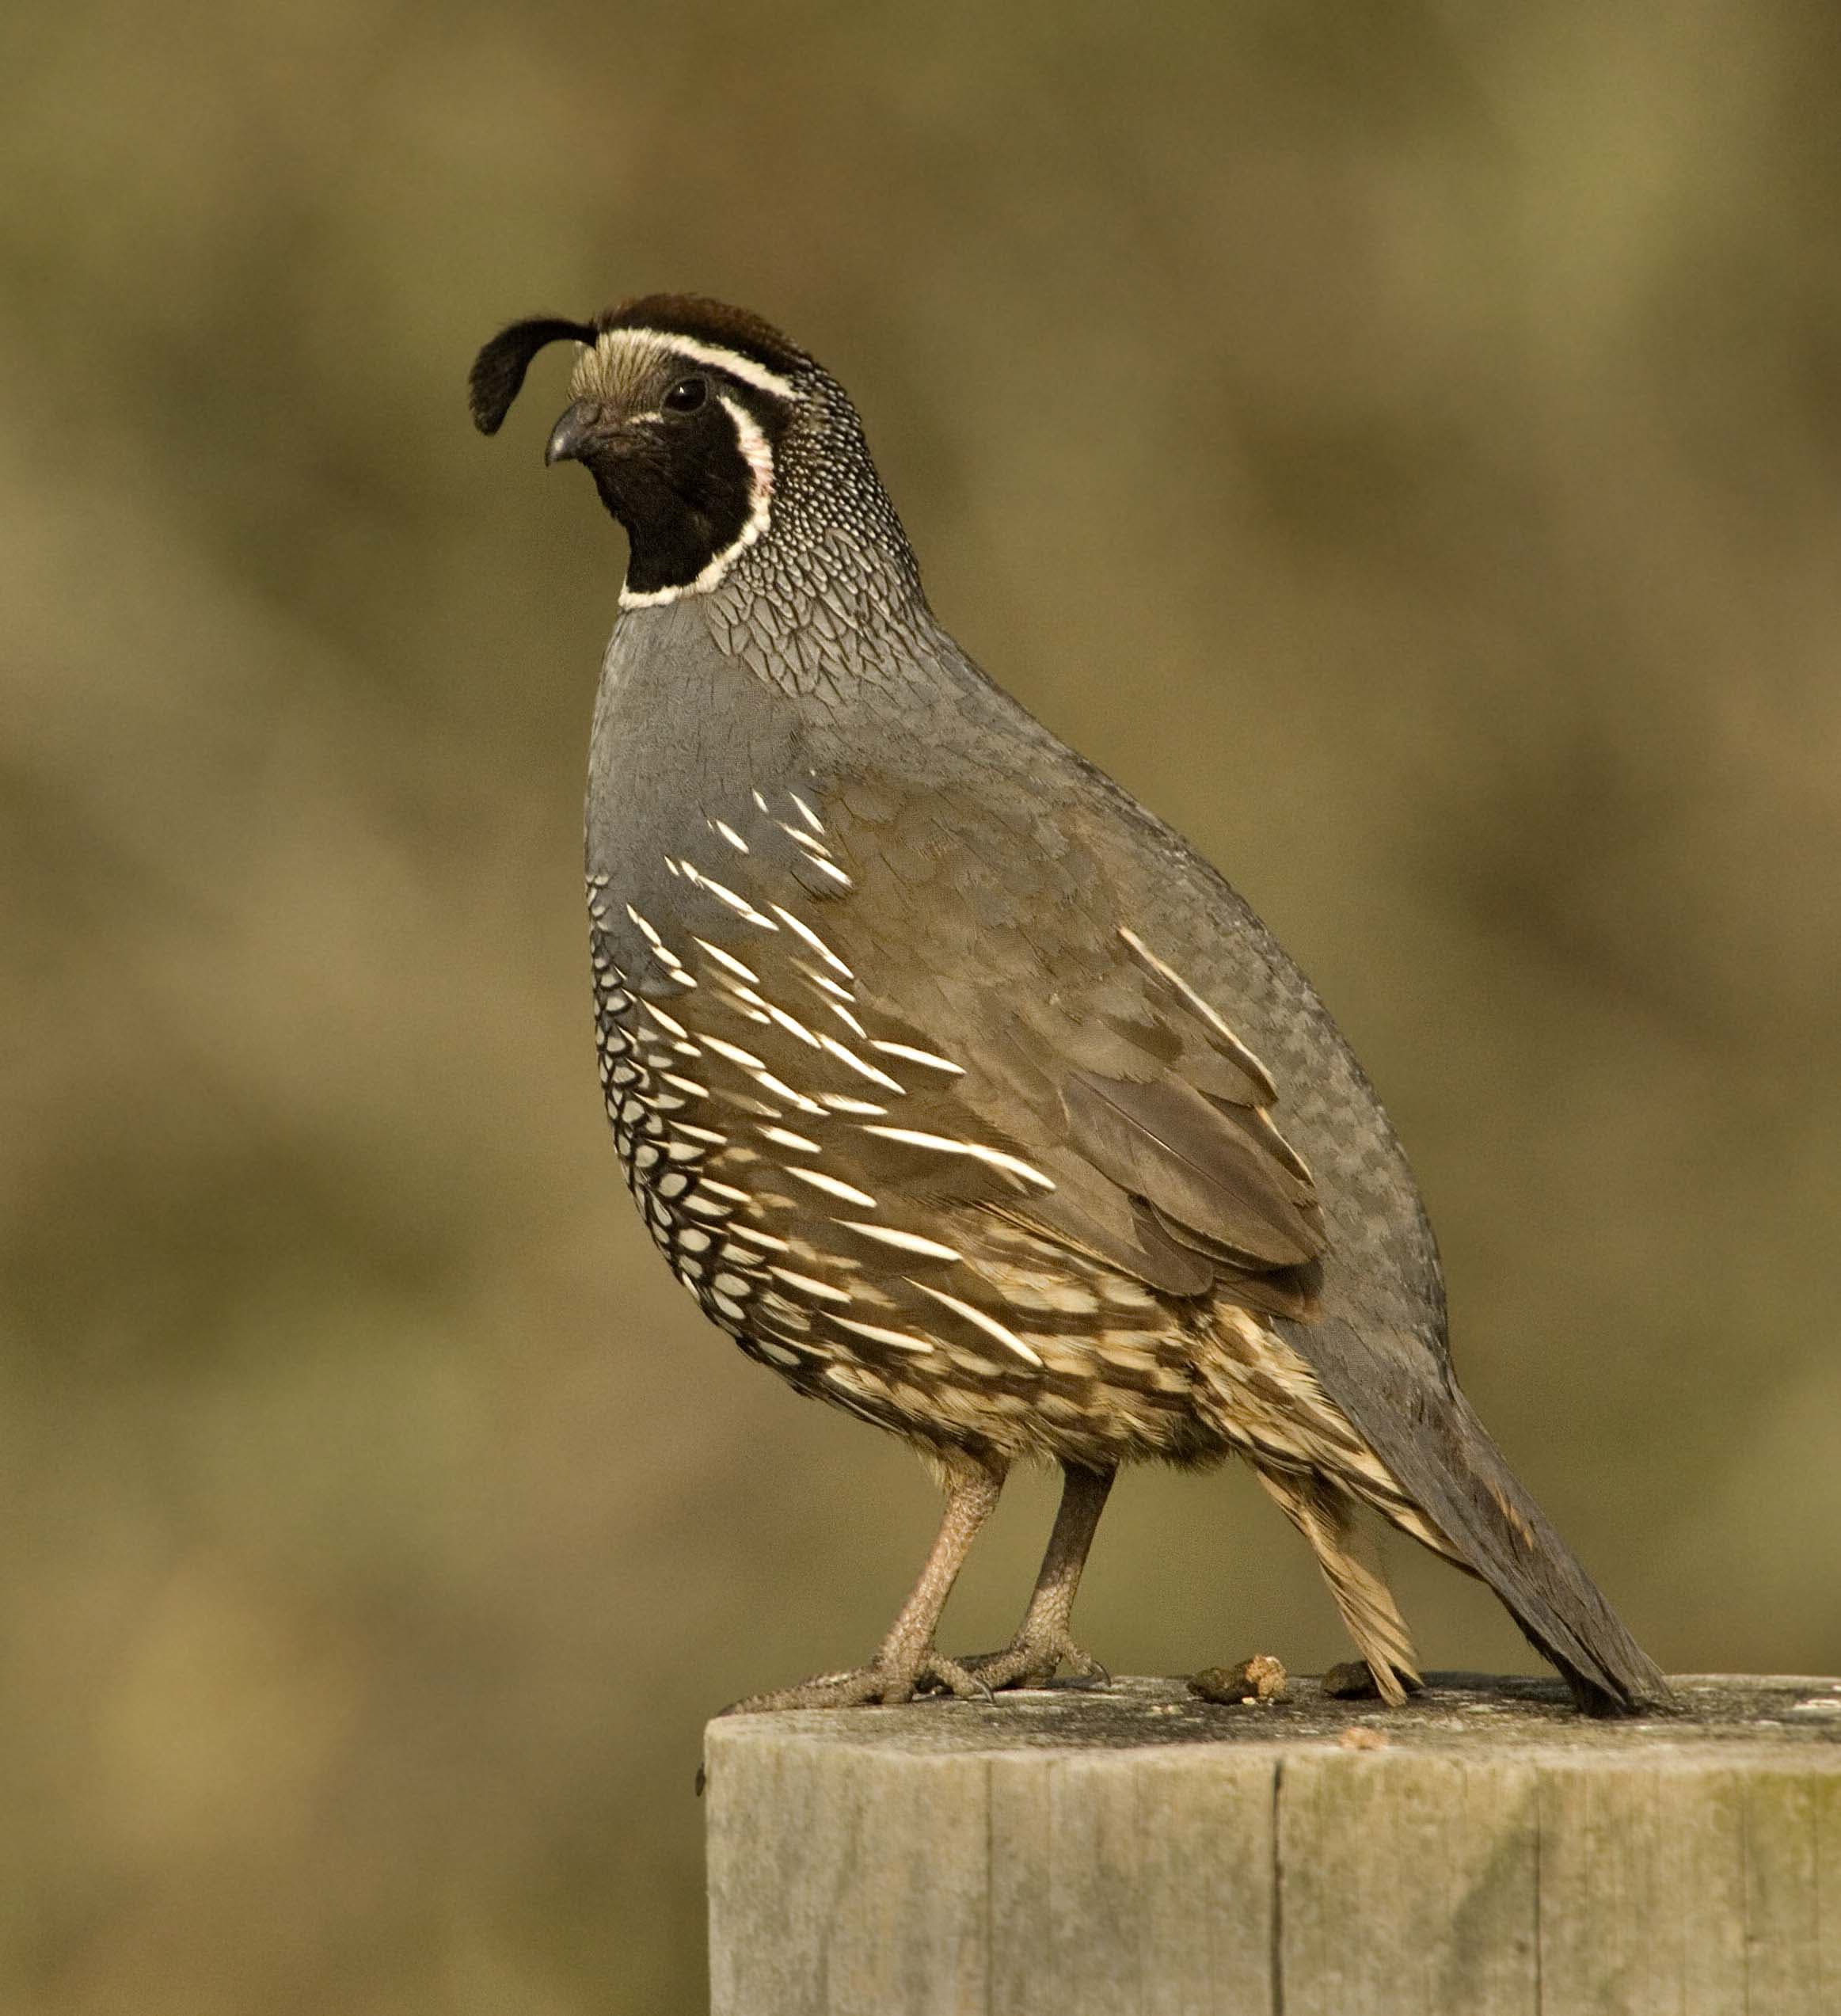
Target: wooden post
[(1137, 1852)]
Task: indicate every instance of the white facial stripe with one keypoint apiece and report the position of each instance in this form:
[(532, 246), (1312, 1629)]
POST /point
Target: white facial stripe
[(714, 354), (757, 453)]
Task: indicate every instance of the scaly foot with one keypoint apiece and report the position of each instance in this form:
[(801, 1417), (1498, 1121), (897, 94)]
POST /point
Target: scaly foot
[(887, 1680), (1031, 1661)]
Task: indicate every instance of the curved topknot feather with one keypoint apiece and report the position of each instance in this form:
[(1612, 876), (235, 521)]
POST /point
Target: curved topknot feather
[(498, 371)]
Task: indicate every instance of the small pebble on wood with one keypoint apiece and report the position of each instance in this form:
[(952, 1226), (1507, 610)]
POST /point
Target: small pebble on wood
[(1260, 1677), (1354, 1680), (1141, 1850)]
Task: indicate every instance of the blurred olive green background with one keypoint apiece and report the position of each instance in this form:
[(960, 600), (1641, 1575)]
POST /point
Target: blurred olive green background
[(1402, 441)]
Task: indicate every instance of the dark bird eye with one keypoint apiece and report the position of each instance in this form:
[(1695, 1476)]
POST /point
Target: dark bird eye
[(686, 395)]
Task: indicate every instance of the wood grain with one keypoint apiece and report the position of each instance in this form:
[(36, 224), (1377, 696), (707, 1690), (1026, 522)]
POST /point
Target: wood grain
[(1139, 1853)]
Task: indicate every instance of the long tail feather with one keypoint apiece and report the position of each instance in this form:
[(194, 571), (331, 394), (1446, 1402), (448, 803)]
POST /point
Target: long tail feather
[(1444, 1460)]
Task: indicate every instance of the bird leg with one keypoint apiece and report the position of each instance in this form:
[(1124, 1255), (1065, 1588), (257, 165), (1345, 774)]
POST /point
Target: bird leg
[(908, 1659), (1042, 1644)]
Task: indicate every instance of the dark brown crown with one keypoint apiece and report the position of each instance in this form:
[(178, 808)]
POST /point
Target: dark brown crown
[(704, 321)]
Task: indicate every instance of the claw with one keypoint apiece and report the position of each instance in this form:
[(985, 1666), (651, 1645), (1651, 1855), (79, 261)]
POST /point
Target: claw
[(958, 1680), (1027, 1662), (885, 1682)]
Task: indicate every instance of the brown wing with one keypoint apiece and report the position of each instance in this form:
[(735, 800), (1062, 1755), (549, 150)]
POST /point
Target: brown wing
[(1171, 1165), (863, 1163)]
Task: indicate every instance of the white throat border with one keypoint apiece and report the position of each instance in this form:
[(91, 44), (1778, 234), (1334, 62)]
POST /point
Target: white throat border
[(757, 453)]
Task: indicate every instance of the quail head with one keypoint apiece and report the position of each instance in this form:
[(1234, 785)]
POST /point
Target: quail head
[(959, 1091)]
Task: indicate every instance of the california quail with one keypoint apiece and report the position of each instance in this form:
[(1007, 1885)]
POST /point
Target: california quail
[(951, 1083)]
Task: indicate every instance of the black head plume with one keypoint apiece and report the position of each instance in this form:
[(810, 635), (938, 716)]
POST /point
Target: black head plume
[(499, 370)]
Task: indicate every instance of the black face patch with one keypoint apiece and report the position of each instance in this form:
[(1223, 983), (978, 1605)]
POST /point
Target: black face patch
[(679, 446), (680, 484)]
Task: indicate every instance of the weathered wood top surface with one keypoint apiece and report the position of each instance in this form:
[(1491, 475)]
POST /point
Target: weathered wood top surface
[(1484, 1850), (1458, 1711)]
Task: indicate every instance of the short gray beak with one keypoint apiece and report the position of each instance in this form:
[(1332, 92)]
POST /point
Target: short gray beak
[(570, 434)]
